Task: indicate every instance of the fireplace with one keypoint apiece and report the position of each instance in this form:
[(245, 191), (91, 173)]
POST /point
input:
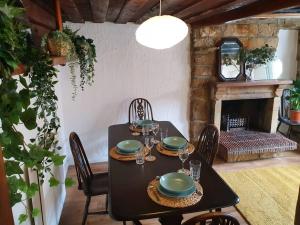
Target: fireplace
[(247, 115)]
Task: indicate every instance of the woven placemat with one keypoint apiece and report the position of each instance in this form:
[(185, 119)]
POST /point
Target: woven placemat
[(137, 129), (160, 199), (115, 155), (167, 152)]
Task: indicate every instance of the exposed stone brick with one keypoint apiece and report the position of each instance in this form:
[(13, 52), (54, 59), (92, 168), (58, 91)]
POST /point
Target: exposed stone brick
[(203, 70), (203, 92), (202, 82), (205, 59), (200, 109), (209, 31), (204, 42), (241, 30), (267, 30), (256, 43)]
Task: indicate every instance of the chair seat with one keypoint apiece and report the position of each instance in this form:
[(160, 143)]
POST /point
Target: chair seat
[(99, 184)]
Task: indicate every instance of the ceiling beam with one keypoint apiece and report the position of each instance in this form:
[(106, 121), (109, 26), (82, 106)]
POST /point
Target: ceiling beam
[(145, 9), (232, 5), (200, 6), (251, 9), (38, 15), (71, 11), (85, 10), (99, 10), (114, 9), (130, 9)]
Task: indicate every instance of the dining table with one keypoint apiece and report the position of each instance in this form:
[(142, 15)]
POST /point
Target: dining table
[(128, 199)]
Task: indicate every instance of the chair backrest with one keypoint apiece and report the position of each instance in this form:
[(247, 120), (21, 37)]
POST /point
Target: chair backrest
[(216, 218), (208, 143), (141, 109), (83, 170), (285, 104)]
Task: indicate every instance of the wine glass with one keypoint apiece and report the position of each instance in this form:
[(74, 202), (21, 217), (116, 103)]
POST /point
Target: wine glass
[(149, 142), (183, 155), (134, 124), (155, 129)]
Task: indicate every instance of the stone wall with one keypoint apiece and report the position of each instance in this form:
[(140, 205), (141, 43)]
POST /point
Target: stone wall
[(252, 33)]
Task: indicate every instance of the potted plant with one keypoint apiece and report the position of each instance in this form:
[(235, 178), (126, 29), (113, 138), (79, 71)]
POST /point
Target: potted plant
[(294, 99), (253, 58)]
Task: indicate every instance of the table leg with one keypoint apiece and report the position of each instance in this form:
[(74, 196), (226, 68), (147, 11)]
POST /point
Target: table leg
[(171, 220)]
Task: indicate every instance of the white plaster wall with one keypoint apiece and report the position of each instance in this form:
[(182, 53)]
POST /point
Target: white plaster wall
[(286, 51), (125, 70)]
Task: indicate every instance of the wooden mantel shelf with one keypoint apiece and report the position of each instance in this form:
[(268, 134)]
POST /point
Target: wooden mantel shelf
[(228, 84)]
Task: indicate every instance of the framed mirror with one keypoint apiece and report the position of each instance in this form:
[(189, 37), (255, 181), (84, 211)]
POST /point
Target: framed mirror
[(230, 65)]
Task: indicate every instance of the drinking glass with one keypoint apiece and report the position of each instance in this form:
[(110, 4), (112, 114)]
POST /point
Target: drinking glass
[(195, 168), (183, 155), (149, 142), (163, 134), (145, 130), (134, 124), (155, 129), (139, 156)]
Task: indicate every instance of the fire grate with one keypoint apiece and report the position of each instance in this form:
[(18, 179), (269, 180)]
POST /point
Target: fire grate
[(234, 123)]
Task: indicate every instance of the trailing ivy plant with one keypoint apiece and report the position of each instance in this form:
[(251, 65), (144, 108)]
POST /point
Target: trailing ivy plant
[(29, 102), (86, 53)]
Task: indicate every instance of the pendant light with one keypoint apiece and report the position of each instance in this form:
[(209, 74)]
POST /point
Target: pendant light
[(161, 32)]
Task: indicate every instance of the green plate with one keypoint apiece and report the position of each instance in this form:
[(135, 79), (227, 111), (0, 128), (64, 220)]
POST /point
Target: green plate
[(129, 146), (142, 123), (174, 142), (178, 195), (177, 184)]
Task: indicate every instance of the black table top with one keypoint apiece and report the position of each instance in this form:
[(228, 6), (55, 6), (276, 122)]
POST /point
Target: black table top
[(128, 198)]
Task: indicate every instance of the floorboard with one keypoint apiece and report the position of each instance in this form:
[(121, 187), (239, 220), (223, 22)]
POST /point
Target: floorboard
[(73, 207)]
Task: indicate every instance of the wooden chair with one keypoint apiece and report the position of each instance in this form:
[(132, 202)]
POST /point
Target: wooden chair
[(215, 218), (283, 116), (91, 184), (140, 108), (208, 143)]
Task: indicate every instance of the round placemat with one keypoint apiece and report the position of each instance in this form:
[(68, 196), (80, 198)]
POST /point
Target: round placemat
[(115, 155), (167, 152), (160, 199)]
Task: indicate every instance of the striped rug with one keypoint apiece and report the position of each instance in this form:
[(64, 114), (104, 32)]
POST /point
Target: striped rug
[(267, 195)]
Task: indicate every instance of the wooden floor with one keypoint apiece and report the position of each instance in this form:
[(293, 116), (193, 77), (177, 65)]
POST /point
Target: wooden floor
[(75, 200)]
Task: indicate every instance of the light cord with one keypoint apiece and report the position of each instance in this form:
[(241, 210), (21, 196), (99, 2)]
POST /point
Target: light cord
[(159, 7)]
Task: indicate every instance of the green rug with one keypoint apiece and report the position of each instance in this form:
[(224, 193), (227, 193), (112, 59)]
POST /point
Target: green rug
[(267, 195)]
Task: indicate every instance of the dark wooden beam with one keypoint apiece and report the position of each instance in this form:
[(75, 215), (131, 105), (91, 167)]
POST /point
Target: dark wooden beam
[(114, 9), (71, 11), (168, 7), (99, 10), (130, 9), (142, 11), (38, 15), (199, 7), (5, 209), (251, 9), (84, 8), (232, 5)]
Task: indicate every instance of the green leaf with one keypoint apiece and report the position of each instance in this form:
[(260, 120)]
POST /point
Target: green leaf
[(22, 218), (25, 97), (69, 182), (28, 117), (53, 182), (35, 212), (58, 159), (32, 189), (12, 167), (23, 82)]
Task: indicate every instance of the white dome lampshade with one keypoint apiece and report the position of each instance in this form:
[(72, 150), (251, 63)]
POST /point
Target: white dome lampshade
[(161, 32)]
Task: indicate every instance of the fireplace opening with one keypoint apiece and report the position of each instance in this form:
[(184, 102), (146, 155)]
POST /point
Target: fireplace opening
[(246, 114)]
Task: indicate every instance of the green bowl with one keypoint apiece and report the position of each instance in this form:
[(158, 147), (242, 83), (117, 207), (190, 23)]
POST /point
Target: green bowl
[(178, 195), (129, 146), (177, 184), (174, 142)]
